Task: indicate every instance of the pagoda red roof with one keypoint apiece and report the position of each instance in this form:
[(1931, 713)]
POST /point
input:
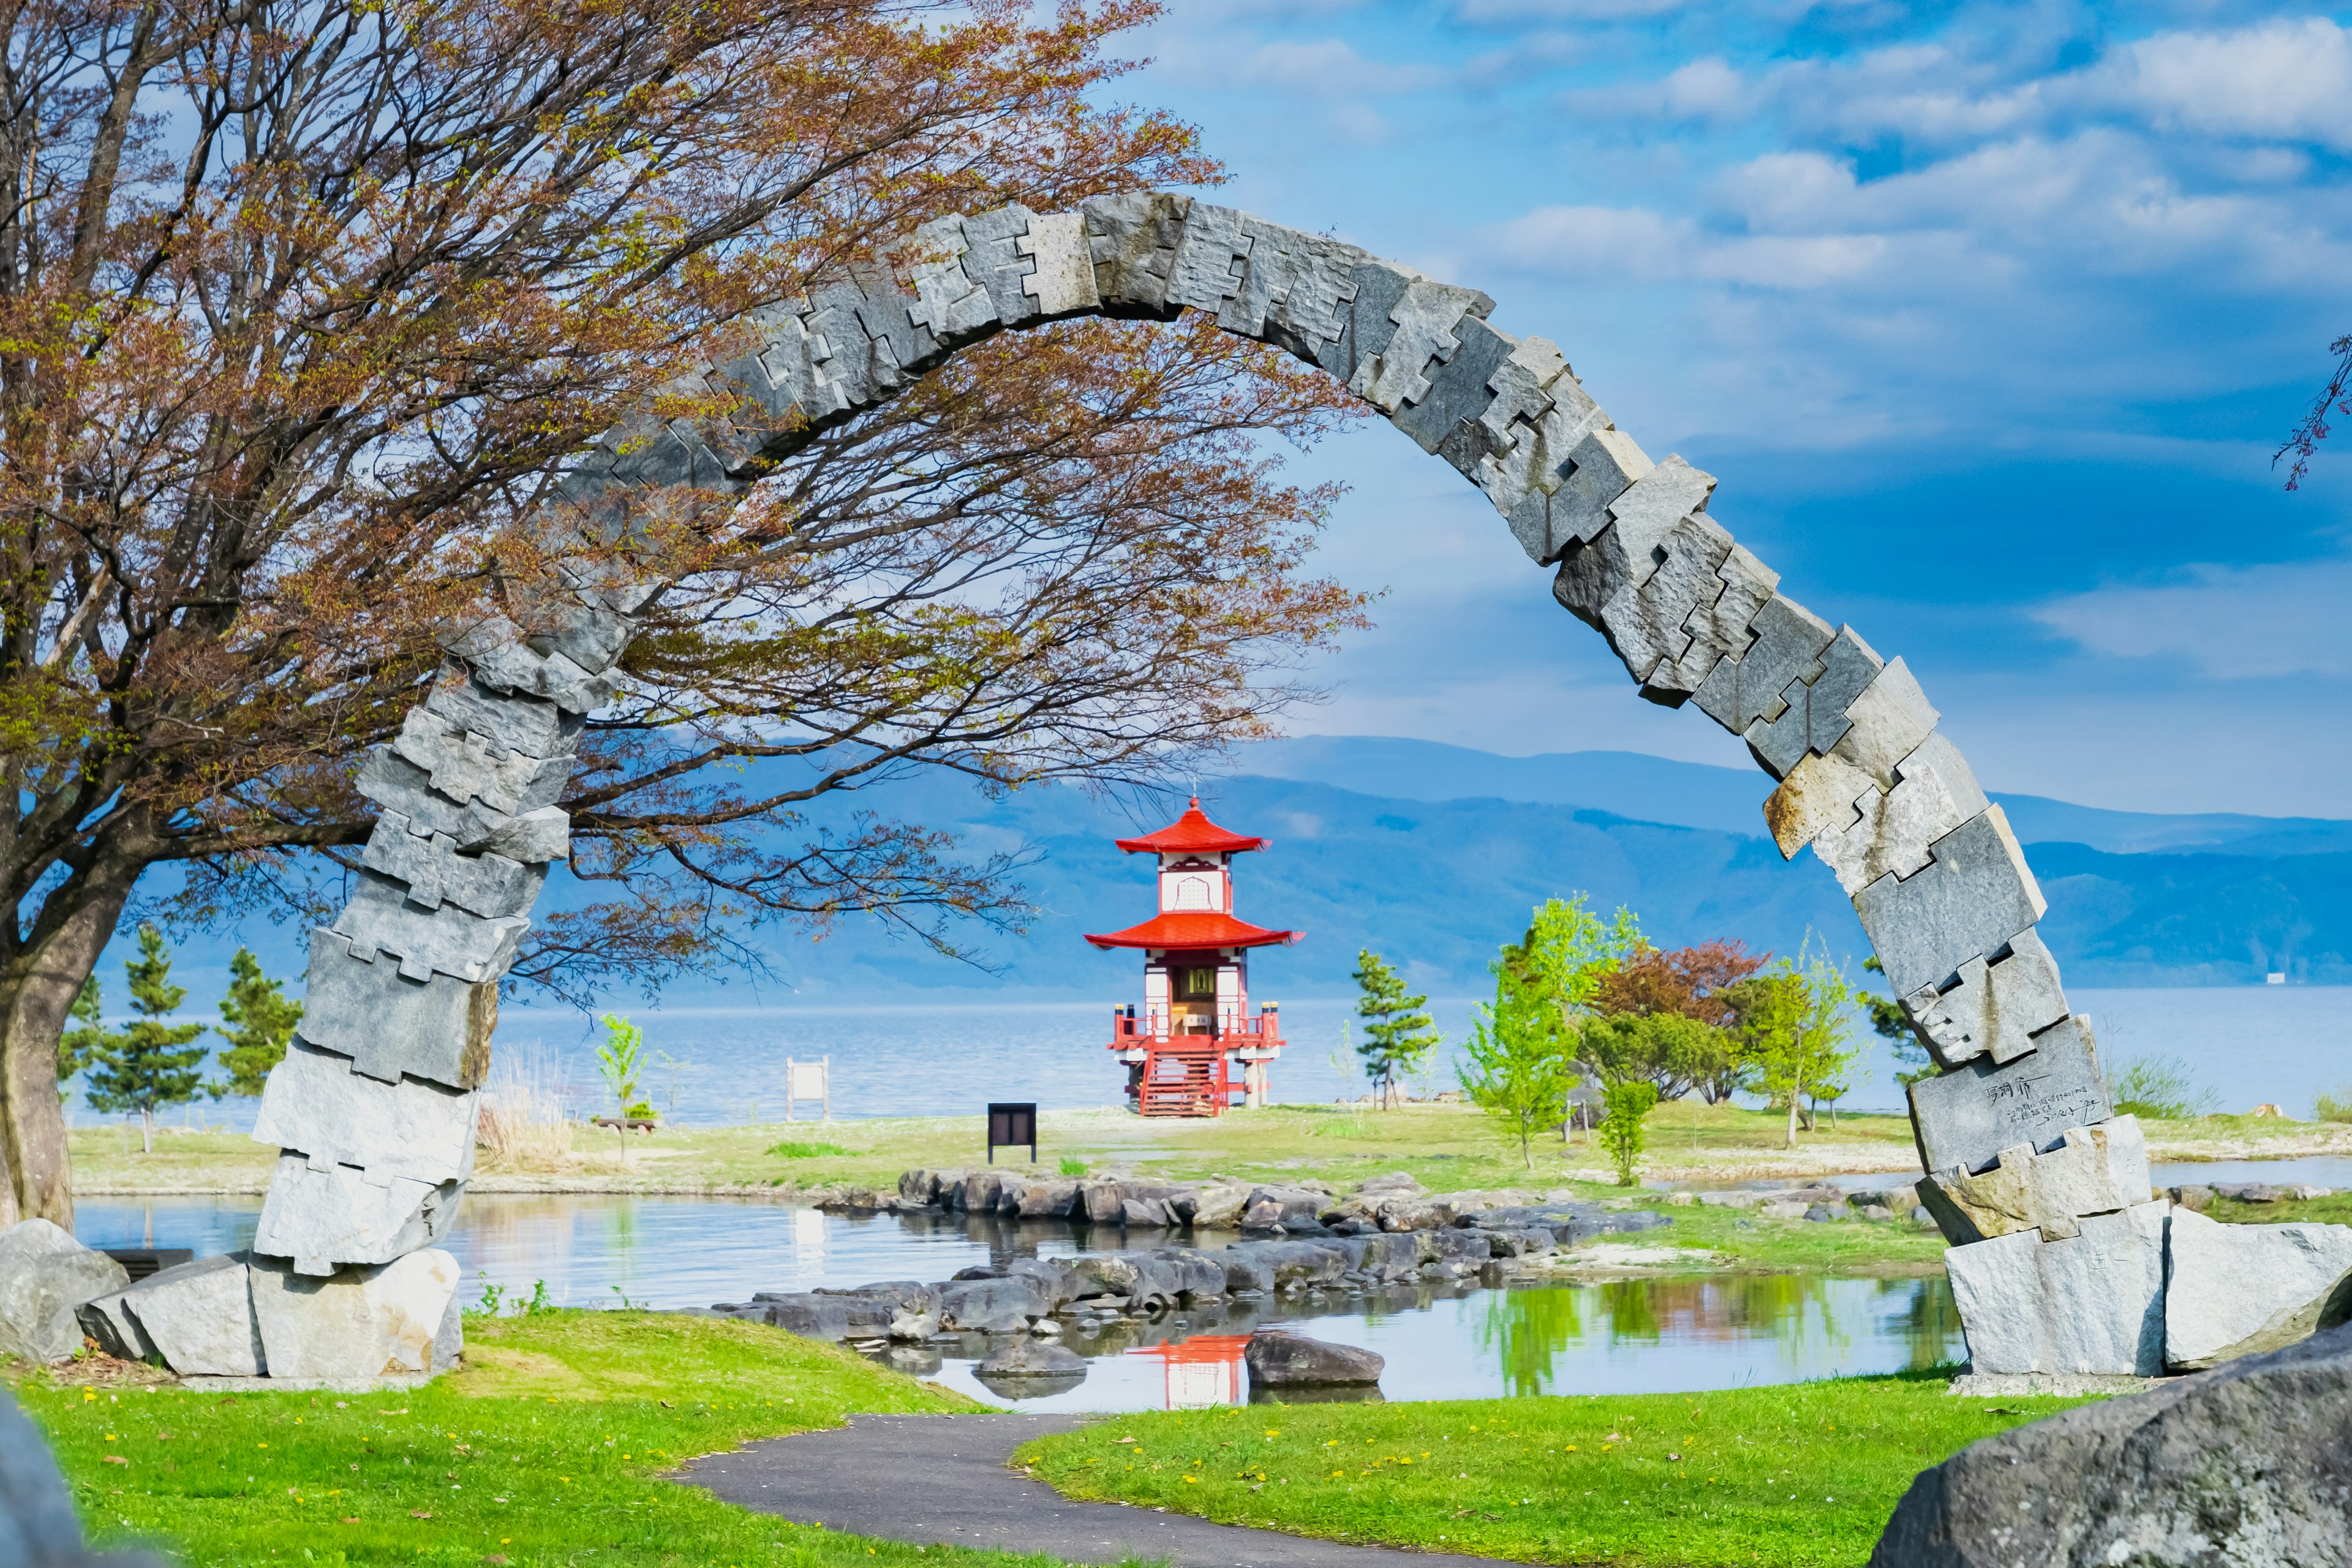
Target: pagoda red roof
[(1194, 929), (1193, 831)]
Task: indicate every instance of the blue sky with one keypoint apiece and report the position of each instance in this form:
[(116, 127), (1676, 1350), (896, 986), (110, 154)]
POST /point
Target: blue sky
[(1987, 318)]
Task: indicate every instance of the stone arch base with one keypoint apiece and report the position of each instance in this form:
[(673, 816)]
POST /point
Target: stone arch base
[(373, 1110)]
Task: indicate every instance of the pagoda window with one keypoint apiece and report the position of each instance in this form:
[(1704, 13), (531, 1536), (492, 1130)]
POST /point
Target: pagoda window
[(1191, 890)]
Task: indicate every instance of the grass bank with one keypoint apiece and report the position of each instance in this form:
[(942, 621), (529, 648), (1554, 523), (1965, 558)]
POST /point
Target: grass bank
[(1448, 1147), (545, 1448), (1793, 1476)]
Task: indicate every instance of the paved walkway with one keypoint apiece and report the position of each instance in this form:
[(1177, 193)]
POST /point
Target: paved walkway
[(941, 1479)]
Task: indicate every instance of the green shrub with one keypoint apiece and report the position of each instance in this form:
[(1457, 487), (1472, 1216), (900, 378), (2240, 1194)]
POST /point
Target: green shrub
[(2335, 1104), (788, 1150), (1622, 1131), (1071, 1167), (2158, 1086)]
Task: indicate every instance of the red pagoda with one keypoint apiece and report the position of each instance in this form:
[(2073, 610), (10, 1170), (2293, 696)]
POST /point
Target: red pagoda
[(1196, 1025)]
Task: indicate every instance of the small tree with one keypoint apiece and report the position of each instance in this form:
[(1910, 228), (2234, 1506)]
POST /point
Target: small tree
[(1519, 1069), (1398, 1035), (1621, 1132), (621, 1060), (1568, 952), (257, 1022), (84, 1044), (148, 1067), (1792, 1027), (1672, 1052)]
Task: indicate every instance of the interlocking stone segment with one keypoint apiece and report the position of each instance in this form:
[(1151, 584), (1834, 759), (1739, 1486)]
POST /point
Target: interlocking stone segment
[(1814, 719), (1746, 689), (1211, 259), (1975, 893), (1134, 238), (502, 660), (199, 1317), (1064, 282), (2094, 1170), (2092, 1304), (1889, 721), (2240, 1289), (360, 1323), (438, 1029), (1996, 1009), (1426, 318), (316, 1105), (1863, 833), (443, 941), (429, 865), (1296, 289), (524, 724), (1458, 388), (324, 1220), (1966, 1117)]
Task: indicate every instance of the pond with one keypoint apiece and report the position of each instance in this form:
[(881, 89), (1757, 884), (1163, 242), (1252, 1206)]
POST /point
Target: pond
[(1454, 1340)]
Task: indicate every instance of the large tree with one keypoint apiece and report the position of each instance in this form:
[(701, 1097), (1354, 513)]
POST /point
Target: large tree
[(301, 308)]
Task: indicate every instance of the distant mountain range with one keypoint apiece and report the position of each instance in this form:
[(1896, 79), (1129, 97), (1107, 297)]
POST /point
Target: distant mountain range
[(1434, 855)]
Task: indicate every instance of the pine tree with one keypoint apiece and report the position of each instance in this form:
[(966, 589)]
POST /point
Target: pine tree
[(1894, 1026), (257, 1021), (146, 1067), (84, 1044), (1398, 1035)]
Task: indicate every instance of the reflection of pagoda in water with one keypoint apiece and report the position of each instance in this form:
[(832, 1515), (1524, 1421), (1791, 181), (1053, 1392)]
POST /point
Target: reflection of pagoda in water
[(1203, 1371), (1196, 1025)]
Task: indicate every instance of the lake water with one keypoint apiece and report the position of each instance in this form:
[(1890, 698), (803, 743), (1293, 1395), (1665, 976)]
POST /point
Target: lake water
[(1450, 1340)]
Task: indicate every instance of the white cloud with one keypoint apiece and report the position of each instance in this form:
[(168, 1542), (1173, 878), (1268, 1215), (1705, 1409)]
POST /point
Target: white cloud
[(2286, 79), (2231, 623), (1484, 12)]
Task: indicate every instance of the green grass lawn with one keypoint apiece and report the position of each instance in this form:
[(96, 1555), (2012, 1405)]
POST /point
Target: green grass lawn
[(546, 1448), (1805, 1474)]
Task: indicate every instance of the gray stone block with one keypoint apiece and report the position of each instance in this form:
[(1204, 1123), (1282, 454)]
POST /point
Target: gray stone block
[(2242, 1290), (397, 784), (1134, 238), (502, 660), (360, 1323), (324, 1220), (1061, 275), (434, 873), (1889, 721), (45, 1276), (1820, 796), (862, 371), (1974, 894), (993, 260), (2092, 1304), (1601, 467), (1747, 689), (2094, 1170), (1996, 1008), (1724, 625), (790, 384), (1427, 318), (438, 1029), (1967, 1116), (1889, 834), (509, 723), (887, 315), (443, 941), (199, 1318), (1647, 623), (1211, 258), (1366, 324), (118, 1333), (1646, 513), (533, 838), (1815, 718), (1296, 289), (948, 303), (1459, 388), (316, 1105), (449, 1339)]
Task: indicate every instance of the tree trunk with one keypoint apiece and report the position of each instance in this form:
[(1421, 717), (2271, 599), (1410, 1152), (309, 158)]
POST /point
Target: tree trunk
[(39, 983), (146, 1130), (1795, 1095)]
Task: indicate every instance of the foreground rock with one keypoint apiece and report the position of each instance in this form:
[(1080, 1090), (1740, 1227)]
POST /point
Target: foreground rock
[(2093, 1302), (2248, 1466), (2242, 1290), (1279, 1360), (45, 1276), (198, 1316), (39, 1526)]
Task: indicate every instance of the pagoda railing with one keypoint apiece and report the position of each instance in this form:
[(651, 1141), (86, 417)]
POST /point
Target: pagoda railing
[(1262, 1032)]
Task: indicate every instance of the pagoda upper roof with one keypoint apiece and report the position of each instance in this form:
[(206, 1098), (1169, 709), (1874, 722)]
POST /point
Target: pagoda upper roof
[(1194, 929), (1192, 831)]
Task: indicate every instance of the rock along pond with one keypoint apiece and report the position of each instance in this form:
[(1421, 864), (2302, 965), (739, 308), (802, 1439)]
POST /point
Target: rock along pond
[(1443, 1341)]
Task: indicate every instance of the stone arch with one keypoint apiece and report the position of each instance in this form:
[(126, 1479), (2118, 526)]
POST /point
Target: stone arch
[(374, 1108)]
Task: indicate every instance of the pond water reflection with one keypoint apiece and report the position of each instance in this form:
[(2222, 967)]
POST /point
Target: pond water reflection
[(1449, 1340)]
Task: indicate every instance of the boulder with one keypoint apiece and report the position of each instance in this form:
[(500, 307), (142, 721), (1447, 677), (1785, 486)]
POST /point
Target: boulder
[(1279, 1360), (358, 1324), (993, 1306), (1146, 1214), (198, 1316), (899, 1296), (2091, 1303), (914, 1326), (1047, 1200), (1030, 1358), (1193, 1276), (1218, 1207), (815, 1317), (1246, 1268), (2240, 1289), (2094, 1170), (1054, 1277), (1290, 1207), (2247, 1466), (45, 1276), (2199, 1199), (324, 1219), (39, 1527)]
